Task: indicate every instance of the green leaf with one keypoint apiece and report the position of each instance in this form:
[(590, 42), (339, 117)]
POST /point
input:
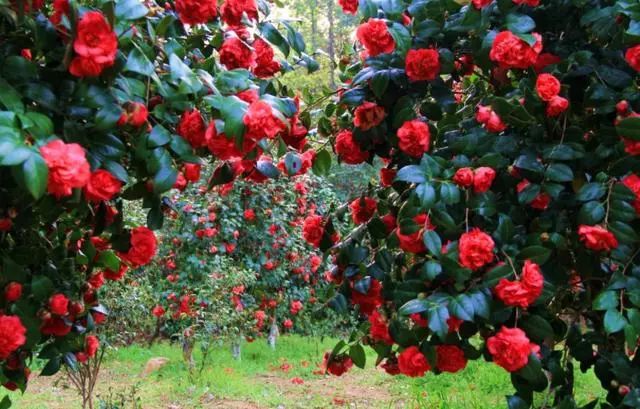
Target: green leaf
[(431, 270), (232, 82), (591, 213), (10, 98), (34, 172), (159, 136), (413, 306), (516, 402), (274, 36), (614, 321), (629, 128), (558, 172), (537, 254), (130, 9), (109, 259), (52, 367), (322, 163), (520, 23), (358, 356), (164, 179), (590, 191), (138, 62), (292, 163), (438, 320), (537, 328), (606, 300), (449, 193), (411, 174), (623, 232), (432, 241), (41, 287), (427, 195), (462, 307), (232, 109), (5, 403), (37, 124)]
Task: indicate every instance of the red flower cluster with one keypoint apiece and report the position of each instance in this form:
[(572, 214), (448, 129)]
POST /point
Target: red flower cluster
[(422, 64), (491, 120), (12, 335), (362, 209), (510, 348), (95, 45), (68, 167), (375, 37), (262, 121), (412, 362), (192, 128), (196, 11), (632, 182), (235, 53), (102, 185), (379, 330), (476, 249), (337, 364), (540, 202), (510, 51), (368, 115), (522, 292), (348, 149), (349, 6), (597, 238), (450, 358), (548, 88), (233, 10), (413, 243), (265, 66), (143, 247), (135, 114), (414, 138), (481, 178), (371, 300)]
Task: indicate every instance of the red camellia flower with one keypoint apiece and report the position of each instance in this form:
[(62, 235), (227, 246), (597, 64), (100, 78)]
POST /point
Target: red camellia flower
[(450, 358), (387, 176), (196, 11), (491, 120), (158, 311), (348, 150), (12, 292), (597, 238), (5, 224), (313, 229), (59, 304), (116, 275), (412, 362), (510, 348), (12, 335), (476, 249), (478, 4), (368, 115), (235, 53), (60, 8), (375, 37), (413, 243), (192, 128), (556, 106), (336, 364), (379, 330), (91, 345), (482, 179), (362, 209), (68, 167), (633, 57), (422, 65), (632, 181), (95, 45), (262, 121), (530, 3), (233, 10), (143, 247), (265, 66), (102, 185), (55, 326), (463, 177), (192, 171), (371, 300), (522, 292), (510, 51), (414, 138), (135, 114), (547, 86), (349, 6), (288, 324), (540, 202), (295, 307), (544, 60)]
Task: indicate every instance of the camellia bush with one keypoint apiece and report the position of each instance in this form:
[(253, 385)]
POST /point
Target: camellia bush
[(232, 263), (111, 101), (505, 224)]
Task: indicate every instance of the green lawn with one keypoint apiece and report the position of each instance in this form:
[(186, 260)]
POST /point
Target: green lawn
[(261, 380)]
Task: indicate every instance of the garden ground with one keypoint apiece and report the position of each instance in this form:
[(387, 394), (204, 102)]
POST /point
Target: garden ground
[(283, 378)]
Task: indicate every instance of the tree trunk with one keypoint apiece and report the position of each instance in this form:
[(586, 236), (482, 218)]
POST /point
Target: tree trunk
[(273, 335), (331, 46), (314, 25), (235, 349)]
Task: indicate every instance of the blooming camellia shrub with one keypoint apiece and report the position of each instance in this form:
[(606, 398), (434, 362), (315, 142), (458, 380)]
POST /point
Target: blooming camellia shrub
[(504, 226), (111, 101)]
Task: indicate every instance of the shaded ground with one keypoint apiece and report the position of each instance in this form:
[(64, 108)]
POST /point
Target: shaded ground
[(285, 379)]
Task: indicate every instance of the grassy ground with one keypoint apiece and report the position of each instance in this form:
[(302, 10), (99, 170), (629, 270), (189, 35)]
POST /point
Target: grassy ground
[(263, 379)]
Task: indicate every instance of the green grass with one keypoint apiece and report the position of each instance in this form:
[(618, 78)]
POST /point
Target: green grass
[(258, 379)]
